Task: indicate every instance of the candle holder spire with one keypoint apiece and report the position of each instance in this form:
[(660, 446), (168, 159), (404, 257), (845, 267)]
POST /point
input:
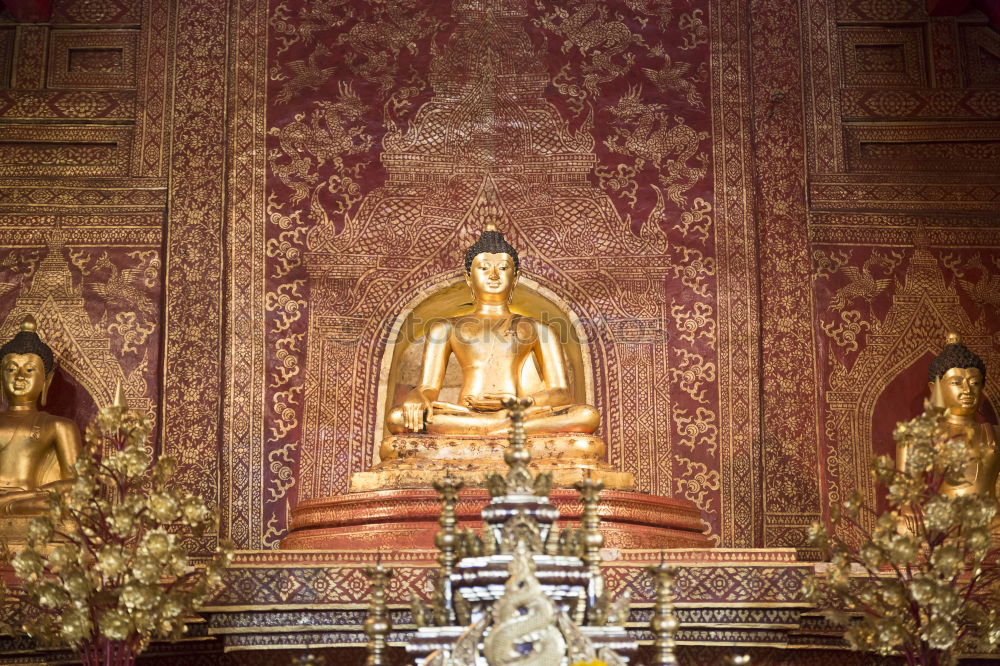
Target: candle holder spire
[(447, 541), (377, 625), (664, 623)]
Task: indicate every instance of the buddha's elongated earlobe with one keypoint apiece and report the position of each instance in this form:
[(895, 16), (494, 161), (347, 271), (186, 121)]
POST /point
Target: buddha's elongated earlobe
[(937, 399), (45, 388)]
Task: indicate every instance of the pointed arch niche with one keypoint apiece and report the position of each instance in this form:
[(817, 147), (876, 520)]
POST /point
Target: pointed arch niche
[(890, 374), (450, 297), (901, 399), (87, 372)]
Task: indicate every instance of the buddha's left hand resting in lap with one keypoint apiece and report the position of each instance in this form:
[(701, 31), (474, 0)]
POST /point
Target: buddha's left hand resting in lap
[(30, 437), (491, 345)]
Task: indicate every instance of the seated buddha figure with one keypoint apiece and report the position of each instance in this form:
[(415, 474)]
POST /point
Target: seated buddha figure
[(491, 345), (956, 378), (32, 442)]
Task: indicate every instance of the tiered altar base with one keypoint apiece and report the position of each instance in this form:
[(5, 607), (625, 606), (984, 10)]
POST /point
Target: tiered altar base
[(408, 519), (726, 597), (280, 605)]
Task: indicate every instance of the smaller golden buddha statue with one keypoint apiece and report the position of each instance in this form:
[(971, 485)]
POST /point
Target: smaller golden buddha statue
[(491, 345), (955, 379), (37, 449)]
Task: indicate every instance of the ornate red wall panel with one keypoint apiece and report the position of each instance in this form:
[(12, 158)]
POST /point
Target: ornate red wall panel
[(904, 231), (609, 136), (112, 210), (193, 340), (791, 486), (81, 232)]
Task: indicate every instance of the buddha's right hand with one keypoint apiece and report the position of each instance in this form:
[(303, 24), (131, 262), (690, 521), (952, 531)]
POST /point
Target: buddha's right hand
[(416, 413)]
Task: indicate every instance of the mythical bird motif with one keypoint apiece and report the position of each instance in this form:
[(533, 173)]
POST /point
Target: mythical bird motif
[(395, 28), (862, 283), (120, 289), (660, 144), (986, 290), (674, 77), (306, 74), (304, 21)]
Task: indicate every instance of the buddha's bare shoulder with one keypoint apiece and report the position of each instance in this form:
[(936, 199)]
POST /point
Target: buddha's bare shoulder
[(58, 423), (440, 329)]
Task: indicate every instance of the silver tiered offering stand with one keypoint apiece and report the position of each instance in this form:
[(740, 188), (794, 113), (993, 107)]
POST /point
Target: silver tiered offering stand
[(519, 587)]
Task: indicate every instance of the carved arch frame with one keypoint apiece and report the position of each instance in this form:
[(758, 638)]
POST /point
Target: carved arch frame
[(449, 280), (850, 414)]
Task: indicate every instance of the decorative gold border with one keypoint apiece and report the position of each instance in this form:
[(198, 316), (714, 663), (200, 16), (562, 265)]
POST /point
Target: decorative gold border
[(55, 136), (192, 374), (61, 42)]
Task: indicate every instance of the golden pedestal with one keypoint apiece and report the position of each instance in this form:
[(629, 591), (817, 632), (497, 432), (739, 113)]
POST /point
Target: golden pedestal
[(406, 519), (14, 530), (416, 461)]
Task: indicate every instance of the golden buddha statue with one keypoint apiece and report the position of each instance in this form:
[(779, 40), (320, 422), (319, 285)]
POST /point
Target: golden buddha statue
[(37, 450), (491, 345), (955, 379)]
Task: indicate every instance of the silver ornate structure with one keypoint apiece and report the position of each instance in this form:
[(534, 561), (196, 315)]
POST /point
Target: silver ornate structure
[(518, 591)]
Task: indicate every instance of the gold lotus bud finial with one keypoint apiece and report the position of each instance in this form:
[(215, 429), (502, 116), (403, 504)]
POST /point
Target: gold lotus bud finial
[(120, 400), (29, 324), (953, 338), (489, 226)]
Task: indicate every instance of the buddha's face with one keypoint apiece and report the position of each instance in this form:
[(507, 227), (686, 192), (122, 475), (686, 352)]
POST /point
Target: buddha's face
[(23, 378), (961, 390), (492, 277)]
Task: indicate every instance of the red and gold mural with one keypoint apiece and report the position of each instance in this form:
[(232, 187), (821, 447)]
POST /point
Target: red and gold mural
[(81, 233), (903, 224), (585, 127), (760, 217)]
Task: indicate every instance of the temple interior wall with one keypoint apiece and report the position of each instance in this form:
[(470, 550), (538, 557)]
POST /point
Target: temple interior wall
[(762, 215)]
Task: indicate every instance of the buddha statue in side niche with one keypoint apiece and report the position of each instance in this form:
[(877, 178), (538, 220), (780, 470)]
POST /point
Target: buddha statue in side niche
[(491, 345), (956, 378), (37, 450)]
